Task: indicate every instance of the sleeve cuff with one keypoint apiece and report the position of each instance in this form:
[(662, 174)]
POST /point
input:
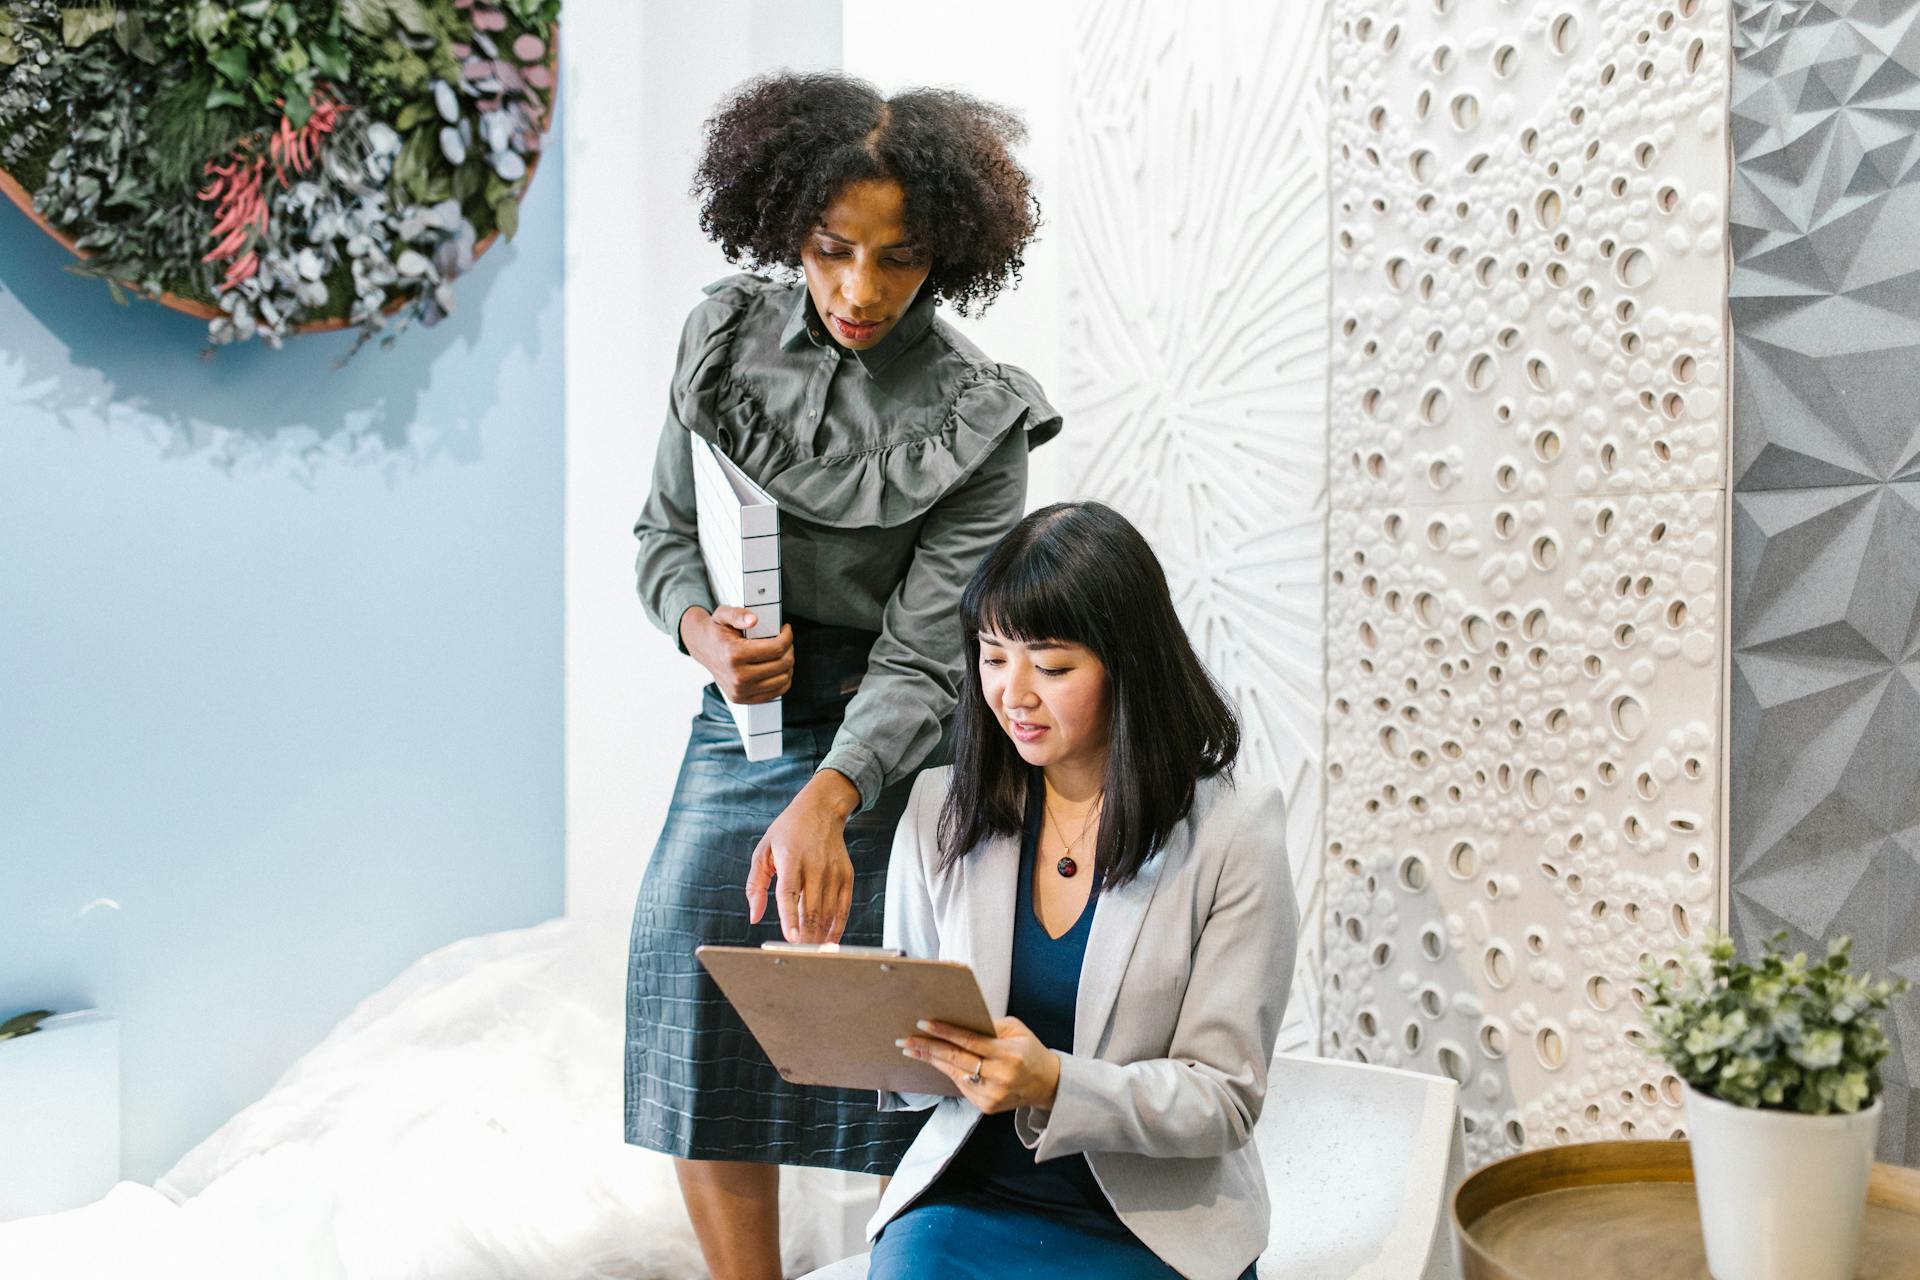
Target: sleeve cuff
[(1072, 1125), (1030, 1126), (1033, 1125), (890, 1101), (857, 763)]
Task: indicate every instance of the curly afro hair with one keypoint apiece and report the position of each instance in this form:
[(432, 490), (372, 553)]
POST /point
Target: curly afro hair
[(783, 147)]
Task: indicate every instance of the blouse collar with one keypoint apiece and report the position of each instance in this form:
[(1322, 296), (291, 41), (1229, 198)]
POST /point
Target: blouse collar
[(804, 325)]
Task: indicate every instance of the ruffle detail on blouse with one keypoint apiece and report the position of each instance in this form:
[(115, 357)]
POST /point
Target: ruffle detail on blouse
[(883, 487)]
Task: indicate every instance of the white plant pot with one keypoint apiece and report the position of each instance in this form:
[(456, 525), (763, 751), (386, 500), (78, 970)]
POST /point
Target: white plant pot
[(59, 1116), (1782, 1195)]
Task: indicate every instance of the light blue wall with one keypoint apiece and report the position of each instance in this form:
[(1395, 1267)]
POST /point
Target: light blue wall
[(280, 663)]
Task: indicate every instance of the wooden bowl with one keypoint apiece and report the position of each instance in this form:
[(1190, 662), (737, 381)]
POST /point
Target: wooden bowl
[(1626, 1210)]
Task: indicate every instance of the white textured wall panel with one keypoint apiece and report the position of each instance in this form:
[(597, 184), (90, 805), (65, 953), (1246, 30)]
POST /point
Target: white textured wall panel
[(1194, 216), (1525, 545)]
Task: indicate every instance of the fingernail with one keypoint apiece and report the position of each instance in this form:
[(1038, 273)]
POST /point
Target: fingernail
[(923, 1025), (899, 1044)]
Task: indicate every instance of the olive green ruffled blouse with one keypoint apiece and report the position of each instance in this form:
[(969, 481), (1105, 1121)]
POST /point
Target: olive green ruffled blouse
[(896, 469)]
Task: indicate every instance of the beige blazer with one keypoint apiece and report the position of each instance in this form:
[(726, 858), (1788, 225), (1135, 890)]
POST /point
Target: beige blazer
[(1181, 994)]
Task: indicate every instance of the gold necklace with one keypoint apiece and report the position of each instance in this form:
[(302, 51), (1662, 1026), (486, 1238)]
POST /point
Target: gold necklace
[(1066, 866)]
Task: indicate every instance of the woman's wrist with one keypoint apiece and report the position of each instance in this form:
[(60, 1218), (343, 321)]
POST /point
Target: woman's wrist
[(1050, 1093), (690, 619), (835, 790)]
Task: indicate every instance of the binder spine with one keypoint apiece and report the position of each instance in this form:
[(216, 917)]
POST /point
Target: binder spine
[(739, 530)]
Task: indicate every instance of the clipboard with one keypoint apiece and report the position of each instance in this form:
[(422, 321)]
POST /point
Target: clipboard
[(829, 1015)]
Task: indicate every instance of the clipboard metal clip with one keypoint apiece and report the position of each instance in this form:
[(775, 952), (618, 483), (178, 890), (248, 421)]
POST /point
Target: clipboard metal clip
[(831, 949)]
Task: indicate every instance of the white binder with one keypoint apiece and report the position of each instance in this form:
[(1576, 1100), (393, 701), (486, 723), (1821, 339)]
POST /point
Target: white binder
[(739, 528)]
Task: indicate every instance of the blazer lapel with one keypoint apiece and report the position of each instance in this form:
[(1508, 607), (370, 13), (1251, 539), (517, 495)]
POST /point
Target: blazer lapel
[(1117, 918), (990, 898)]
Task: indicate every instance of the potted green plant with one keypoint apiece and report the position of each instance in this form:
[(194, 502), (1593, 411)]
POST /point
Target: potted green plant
[(1781, 1059)]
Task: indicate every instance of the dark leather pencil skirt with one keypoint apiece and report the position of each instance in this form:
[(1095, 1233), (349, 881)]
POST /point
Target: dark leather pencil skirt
[(697, 1084)]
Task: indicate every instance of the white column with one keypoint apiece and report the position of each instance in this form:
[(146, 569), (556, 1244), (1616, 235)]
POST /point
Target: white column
[(638, 82)]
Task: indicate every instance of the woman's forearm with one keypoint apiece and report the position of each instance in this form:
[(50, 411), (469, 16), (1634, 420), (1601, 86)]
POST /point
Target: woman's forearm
[(1158, 1107), (669, 573)]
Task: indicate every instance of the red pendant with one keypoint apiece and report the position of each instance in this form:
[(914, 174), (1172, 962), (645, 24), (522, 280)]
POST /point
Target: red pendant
[(1067, 867)]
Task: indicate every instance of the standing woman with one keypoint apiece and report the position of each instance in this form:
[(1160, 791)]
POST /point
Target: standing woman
[(898, 455)]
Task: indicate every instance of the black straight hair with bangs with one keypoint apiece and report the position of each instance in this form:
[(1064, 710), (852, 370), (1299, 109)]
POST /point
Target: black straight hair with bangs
[(1080, 572)]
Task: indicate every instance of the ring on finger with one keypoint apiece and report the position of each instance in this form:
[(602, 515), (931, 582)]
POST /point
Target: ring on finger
[(973, 1077)]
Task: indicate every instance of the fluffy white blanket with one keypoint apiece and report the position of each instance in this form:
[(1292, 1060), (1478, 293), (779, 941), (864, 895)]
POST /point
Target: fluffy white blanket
[(464, 1123)]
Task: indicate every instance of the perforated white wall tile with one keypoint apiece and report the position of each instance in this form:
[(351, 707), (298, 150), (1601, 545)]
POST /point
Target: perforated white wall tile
[(1194, 219), (1528, 468)]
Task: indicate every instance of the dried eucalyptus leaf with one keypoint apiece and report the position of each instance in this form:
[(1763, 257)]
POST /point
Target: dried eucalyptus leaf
[(467, 181), (379, 18), (209, 22), (413, 15), (130, 33), (419, 111), (414, 169), (77, 26), (369, 17)]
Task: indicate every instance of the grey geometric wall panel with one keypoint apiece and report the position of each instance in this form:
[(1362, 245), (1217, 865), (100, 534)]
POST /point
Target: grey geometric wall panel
[(1527, 500), (1825, 299), (1196, 351)]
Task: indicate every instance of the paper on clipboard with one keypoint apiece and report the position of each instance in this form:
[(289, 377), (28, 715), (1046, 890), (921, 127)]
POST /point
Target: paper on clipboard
[(739, 530), (830, 1016)]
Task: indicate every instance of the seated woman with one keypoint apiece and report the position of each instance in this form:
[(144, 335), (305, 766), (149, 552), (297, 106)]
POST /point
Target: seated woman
[(1126, 907)]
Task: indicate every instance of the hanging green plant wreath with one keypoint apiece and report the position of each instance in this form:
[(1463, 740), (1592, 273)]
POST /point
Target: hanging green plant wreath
[(277, 166)]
